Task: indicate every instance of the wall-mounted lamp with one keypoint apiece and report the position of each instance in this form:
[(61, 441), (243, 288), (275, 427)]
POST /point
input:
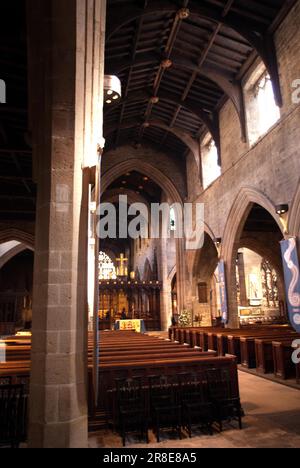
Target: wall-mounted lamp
[(112, 89), (282, 209), (93, 207), (218, 240)]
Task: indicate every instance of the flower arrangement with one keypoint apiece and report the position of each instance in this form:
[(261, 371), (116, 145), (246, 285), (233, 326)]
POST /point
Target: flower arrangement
[(185, 319)]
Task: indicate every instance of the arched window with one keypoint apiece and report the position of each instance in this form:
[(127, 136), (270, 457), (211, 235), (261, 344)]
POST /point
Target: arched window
[(107, 269), (268, 112), (270, 285), (262, 111), (211, 170)]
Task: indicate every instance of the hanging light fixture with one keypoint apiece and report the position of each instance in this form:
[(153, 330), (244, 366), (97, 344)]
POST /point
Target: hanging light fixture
[(112, 89)]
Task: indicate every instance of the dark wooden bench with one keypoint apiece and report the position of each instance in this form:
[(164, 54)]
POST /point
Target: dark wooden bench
[(264, 354), (111, 372), (284, 368), (248, 349)]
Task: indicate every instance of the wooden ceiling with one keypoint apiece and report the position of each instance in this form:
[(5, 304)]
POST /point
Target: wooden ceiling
[(17, 191), (190, 56), (210, 50)]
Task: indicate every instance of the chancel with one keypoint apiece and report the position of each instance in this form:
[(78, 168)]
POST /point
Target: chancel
[(121, 330), (121, 296)]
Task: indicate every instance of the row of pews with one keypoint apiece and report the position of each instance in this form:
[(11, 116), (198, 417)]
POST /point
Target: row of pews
[(123, 355), (129, 356), (267, 349), (14, 390)]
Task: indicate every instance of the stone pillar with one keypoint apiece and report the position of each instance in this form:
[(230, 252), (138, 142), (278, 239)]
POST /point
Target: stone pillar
[(242, 280), (165, 294), (59, 33), (230, 273), (181, 274)]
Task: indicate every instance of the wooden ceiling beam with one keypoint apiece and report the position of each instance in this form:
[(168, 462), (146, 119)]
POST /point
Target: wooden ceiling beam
[(252, 31)]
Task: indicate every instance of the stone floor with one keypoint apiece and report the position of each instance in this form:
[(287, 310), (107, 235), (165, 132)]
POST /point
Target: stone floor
[(272, 421)]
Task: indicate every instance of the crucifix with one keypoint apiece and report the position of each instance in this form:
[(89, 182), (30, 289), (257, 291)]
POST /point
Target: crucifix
[(122, 269)]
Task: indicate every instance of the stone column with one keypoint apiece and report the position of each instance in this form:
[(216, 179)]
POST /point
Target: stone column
[(242, 280), (230, 273), (165, 294), (59, 32)]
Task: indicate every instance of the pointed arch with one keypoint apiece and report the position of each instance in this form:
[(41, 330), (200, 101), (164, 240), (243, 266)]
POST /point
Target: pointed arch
[(172, 193), (145, 168), (12, 253), (247, 197), (13, 234), (206, 259), (239, 212)]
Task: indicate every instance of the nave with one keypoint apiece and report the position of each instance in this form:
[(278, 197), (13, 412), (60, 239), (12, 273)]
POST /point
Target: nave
[(190, 375)]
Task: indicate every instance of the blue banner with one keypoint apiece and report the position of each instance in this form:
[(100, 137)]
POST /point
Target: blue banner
[(223, 291), (292, 280)]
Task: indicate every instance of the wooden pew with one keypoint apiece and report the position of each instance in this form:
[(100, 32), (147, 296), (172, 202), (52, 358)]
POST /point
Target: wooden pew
[(126, 355), (248, 349), (284, 368), (264, 354), (111, 372)]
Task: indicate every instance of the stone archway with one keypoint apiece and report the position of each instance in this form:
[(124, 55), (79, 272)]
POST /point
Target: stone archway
[(12, 234), (24, 239), (238, 215), (172, 194), (203, 269), (270, 254), (145, 168), (13, 252)]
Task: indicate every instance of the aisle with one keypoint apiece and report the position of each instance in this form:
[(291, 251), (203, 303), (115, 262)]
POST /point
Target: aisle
[(272, 420)]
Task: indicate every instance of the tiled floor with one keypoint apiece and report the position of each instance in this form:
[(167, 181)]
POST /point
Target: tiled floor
[(272, 420)]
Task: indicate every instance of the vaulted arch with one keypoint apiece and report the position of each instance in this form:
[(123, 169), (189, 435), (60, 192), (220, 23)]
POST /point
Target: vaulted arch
[(145, 168)]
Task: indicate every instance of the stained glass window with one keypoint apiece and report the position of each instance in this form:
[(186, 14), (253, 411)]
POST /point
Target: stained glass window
[(107, 269), (270, 285)]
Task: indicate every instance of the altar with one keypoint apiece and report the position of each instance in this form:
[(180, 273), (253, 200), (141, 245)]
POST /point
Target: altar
[(135, 324)]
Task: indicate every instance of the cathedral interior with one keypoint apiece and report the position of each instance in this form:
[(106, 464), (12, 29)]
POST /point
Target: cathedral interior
[(149, 223)]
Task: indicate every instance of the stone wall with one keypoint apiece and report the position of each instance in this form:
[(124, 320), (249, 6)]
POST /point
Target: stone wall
[(272, 165)]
